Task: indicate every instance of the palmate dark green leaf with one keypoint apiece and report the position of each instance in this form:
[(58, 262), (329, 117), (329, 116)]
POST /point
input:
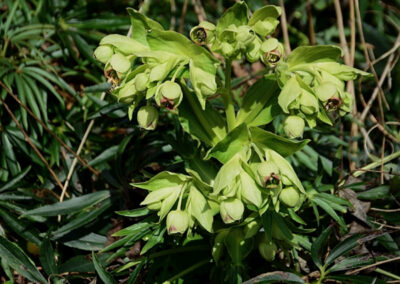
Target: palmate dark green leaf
[(21, 227), (18, 260), (380, 192), (236, 141), (98, 88), (11, 183), (317, 246), (90, 242), (275, 277), (353, 262), (110, 109), (103, 274), (156, 238), (82, 219), (206, 125), (267, 140), (138, 212), (328, 209), (259, 107), (342, 248), (47, 257), (70, 206)]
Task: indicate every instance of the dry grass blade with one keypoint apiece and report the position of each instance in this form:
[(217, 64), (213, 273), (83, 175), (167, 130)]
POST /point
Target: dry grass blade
[(285, 29)]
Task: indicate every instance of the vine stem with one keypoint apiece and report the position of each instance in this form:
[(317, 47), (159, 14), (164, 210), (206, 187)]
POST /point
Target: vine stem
[(228, 101)]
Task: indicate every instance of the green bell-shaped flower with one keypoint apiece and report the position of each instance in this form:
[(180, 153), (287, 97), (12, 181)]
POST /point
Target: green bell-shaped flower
[(253, 52), (308, 103), (245, 35), (203, 33), (294, 126), (267, 248), (120, 63), (231, 210), (289, 196), (141, 82), (127, 92), (103, 53), (147, 117), (249, 191), (272, 52), (169, 94), (269, 174), (177, 222), (266, 26)]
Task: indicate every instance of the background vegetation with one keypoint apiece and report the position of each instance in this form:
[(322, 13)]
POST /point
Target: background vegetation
[(62, 136)]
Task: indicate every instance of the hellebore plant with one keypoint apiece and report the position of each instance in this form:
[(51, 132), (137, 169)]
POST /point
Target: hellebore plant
[(251, 199)]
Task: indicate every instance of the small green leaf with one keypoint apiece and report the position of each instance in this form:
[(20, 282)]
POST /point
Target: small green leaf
[(237, 15), (267, 140), (18, 260), (70, 206), (342, 248), (138, 212), (102, 272), (317, 246), (47, 257), (236, 141)]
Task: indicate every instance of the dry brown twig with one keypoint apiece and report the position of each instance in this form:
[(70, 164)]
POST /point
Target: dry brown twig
[(183, 15), (349, 60), (285, 29)]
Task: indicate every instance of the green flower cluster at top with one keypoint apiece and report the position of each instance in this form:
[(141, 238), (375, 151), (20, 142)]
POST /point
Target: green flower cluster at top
[(151, 65), (234, 38), (313, 86)]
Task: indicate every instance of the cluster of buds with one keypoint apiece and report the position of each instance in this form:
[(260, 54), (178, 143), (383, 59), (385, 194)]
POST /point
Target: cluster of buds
[(256, 185), (313, 89), (277, 176), (247, 38)]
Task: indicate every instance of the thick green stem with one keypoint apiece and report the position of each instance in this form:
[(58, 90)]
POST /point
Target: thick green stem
[(228, 101)]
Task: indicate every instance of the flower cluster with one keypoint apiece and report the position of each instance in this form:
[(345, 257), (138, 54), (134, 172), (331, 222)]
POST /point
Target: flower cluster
[(150, 66), (313, 87), (243, 37)]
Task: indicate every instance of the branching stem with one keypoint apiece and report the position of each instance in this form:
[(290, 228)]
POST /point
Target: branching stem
[(228, 101)]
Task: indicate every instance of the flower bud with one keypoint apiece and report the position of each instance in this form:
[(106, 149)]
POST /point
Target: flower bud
[(289, 196), (177, 222), (231, 210), (253, 50), (120, 63), (154, 206), (272, 51), (276, 232), (294, 126), (203, 33), (326, 90), (103, 53), (308, 103), (251, 228), (266, 27), (267, 250), (269, 173), (147, 117), (249, 191), (127, 92), (169, 94), (227, 49), (245, 35), (141, 81)]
